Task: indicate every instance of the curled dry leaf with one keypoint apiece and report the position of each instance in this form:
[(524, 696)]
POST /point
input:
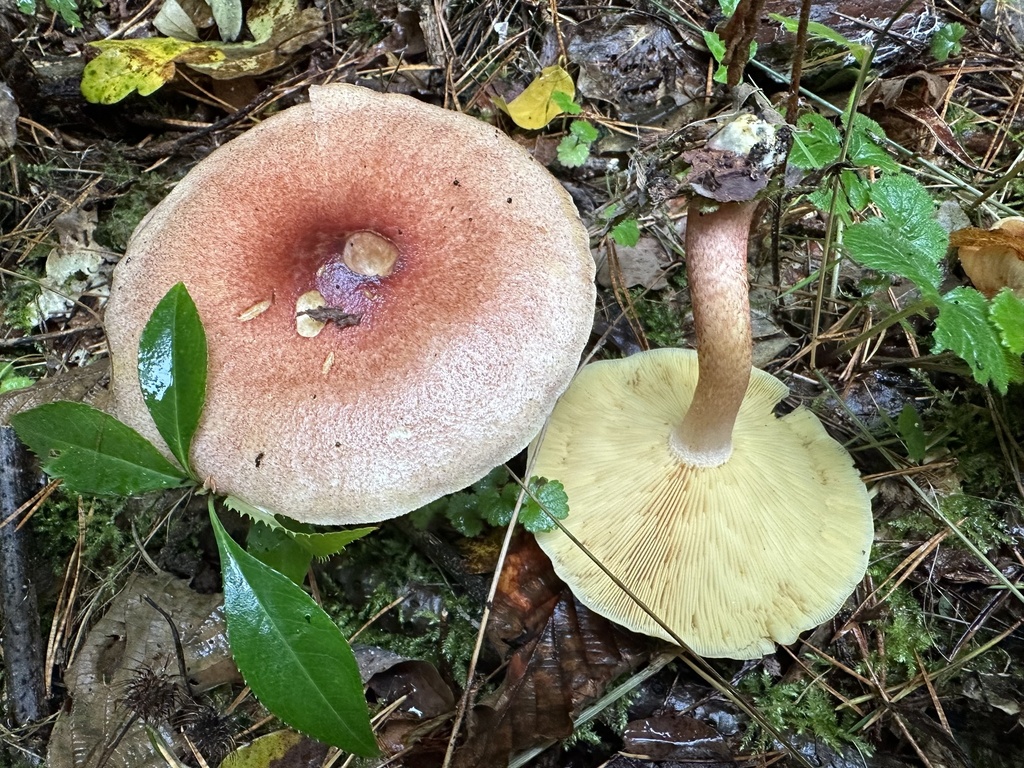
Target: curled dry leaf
[(132, 637), (561, 656)]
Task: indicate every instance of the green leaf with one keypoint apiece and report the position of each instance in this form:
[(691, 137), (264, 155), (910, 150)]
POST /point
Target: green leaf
[(564, 102), (946, 41), (28, 7), (963, 327), (275, 548), (715, 44), (877, 244), (315, 544), (909, 425), (626, 233), (822, 32), (290, 652), (816, 142), (1007, 314), (463, 513), (728, 7), (858, 191), (8, 383), (906, 240), (906, 204), (553, 503), (94, 453), (865, 150), (172, 370), (67, 10), (583, 131), (572, 153), (496, 506), (228, 15)]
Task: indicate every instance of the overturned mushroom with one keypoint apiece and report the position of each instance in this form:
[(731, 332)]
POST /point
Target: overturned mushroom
[(462, 261), (736, 528)]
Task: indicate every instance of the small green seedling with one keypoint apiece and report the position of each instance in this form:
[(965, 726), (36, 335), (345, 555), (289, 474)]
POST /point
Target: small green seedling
[(946, 41)]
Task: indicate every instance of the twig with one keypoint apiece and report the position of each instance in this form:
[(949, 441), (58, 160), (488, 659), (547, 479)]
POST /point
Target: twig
[(22, 642)]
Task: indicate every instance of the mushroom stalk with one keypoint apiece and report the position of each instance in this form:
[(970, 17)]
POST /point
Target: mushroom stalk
[(716, 263)]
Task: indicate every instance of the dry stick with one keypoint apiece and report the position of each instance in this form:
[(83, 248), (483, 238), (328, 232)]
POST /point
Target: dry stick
[(22, 642), (471, 671), (793, 106)]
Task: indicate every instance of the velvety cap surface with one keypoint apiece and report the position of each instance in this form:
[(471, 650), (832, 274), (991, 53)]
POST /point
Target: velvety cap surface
[(733, 558), (460, 349)]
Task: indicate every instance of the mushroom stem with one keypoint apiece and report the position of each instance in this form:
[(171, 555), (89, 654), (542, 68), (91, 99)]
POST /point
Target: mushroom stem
[(716, 263)]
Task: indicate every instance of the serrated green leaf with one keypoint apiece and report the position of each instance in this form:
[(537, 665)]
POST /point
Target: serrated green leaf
[(858, 191), (946, 41), (323, 545), (94, 453), (254, 513), (463, 514), (907, 240), (906, 204), (496, 506), (728, 7), (172, 370), (878, 245), (547, 500), (290, 652), (276, 549), (583, 131), (572, 153), (626, 233), (1007, 312), (865, 152), (28, 7), (912, 432), (963, 327), (316, 544), (816, 142)]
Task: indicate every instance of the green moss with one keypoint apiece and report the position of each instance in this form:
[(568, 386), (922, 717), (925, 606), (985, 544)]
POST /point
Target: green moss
[(660, 320), (906, 633), (115, 227), (389, 568), (981, 521), (801, 707)]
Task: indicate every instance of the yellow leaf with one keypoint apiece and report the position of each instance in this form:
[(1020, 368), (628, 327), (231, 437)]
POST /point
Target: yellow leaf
[(141, 65), (533, 108)]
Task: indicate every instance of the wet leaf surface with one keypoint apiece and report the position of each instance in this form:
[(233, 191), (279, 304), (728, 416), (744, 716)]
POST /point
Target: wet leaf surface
[(129, 638), (561, 656)]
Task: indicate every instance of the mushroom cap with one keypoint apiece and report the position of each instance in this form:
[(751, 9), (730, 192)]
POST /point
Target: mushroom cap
[(462, 346), (997, 262), (732, 557)]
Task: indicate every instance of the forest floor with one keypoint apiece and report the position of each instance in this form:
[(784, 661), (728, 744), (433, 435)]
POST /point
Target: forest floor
[(924, 665)]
